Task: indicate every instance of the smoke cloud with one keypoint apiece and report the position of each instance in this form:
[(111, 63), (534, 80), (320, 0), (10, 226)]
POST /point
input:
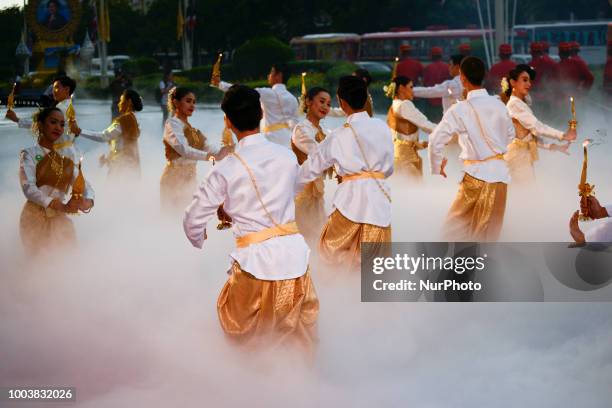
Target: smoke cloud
[(128, 317)]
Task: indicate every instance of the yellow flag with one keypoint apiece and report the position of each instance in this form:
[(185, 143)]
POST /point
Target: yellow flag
[(180, 22), (104, 24), (107, 22)]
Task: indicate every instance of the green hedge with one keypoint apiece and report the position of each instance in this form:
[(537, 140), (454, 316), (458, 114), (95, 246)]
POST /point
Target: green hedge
[(252, 60), (141, 66)]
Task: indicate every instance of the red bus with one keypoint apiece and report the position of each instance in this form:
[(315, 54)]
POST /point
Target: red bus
[(385, 46), (332, 46)]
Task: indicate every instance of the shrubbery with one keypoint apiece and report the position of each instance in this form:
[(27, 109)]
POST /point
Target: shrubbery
[(252, 60), (140, 66)]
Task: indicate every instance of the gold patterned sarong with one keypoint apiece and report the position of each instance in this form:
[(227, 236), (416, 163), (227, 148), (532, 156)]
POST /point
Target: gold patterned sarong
[(259, 312), (44, 229), (520, 158), (407, 160), (177, 185), (340, 242), (477, 214)]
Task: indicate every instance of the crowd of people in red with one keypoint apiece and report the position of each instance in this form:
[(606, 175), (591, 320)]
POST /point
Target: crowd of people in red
[(554, 83), (571, 76)]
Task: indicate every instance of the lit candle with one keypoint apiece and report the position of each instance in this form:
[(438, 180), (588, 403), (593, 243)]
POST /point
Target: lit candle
[(304, 83), (573, 123), (583, 175)]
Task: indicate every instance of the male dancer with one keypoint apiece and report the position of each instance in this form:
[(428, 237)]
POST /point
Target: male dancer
[(362, 153), (484, 129), (269, 290), (450, 90), (280, 107)]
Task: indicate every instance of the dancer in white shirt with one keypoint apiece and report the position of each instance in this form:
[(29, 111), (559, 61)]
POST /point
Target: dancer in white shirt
[(484, 131), (269, 290), (523, 151), (280, 107), (309, 204), (123, 158), (405, 120), (53, 185), (365, 76), (450, 90), (184, 147), (362, 153), (63, 88)]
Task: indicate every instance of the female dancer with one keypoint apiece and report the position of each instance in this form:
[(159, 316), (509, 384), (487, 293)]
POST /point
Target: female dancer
[(523, 151), (184, 146), (405, 120), (53, 185), (122, 137), (309, 208)]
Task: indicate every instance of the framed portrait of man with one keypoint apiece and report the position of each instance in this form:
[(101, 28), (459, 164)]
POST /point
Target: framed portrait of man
[(53, 20)]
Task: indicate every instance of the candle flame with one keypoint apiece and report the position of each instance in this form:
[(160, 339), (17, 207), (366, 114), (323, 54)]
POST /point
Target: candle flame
[(586, 142), (303, 74)]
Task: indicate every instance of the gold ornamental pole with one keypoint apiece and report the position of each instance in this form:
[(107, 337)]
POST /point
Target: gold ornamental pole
[(10, 100), (585, 189)]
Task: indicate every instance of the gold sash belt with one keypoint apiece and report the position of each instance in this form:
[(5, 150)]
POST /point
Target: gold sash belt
[(531, 145), (276, 126), (498, 156), (62, 145), (405, 142), (175, 163), (364, 175), (267, 233)]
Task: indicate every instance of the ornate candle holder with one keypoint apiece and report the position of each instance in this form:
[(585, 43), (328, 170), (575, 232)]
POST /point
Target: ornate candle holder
[(10, 100), (585, 189), (216, 70)]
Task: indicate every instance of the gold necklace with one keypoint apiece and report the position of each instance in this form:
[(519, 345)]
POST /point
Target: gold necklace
[(57, 166)]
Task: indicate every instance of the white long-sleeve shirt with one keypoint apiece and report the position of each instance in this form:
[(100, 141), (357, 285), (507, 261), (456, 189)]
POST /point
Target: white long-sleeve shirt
[(602, 232), (65, 143), (462, 120), (521, 111), (408, 111), (43, 195), (304, 136), (279, 106), (275, 169), (174, 135), (113, 132), (450, 91), (360, 200)]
